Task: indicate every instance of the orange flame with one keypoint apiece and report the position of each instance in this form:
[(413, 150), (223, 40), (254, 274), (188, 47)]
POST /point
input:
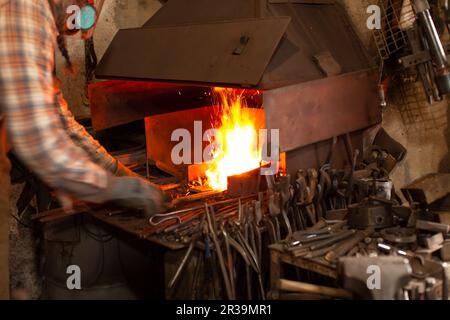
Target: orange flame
[(238, 151)]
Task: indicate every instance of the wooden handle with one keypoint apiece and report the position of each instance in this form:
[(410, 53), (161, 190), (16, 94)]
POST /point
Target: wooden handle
[(294, 286), (348, 245)]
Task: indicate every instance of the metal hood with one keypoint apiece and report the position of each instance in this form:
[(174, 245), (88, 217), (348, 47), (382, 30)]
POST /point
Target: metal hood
[(262, 44)]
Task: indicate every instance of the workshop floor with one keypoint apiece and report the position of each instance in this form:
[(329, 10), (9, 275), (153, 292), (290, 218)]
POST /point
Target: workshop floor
[(25, 279)]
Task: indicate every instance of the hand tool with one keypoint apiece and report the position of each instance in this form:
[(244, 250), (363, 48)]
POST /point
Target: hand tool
[(298, 201), (247, 268), (285, 197), (437, 52), (330, 155), (271, 230), (399, 236), (180, 220), (313, 179), (323, 190), (432, 226), (210, 269), (297, 218), (423, 69), (196, 276), (320, 252), (352, 252), (59, 213), (247, 252), (182, 225), (294, 286), (318, 225), (324, 230), (218, 250), (254, 260), (386, 248), (307, 239), (230, 262), (301, 196), (336, 238), (162, 219), (445, 251), (445, 281), (249, 234), (447, 14), (248, 263), (347, 245), (353, 158), (327, 244), (237, 246), (184, 262), (240, 213), (196, 197), (428, 53), (275, 211), (277, 228), (258, 242), (258, 212)]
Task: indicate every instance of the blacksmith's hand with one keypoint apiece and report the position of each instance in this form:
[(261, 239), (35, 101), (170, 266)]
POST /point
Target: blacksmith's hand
[(136, 193), (120, 170)]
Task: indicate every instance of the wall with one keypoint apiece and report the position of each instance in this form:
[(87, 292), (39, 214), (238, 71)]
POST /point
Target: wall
[(422, 128), (116, 14)]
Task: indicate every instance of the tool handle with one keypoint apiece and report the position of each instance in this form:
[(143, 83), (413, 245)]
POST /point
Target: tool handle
[(432, 226), (348, 245), (294, 286)]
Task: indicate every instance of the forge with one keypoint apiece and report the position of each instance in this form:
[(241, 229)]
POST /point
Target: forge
[(309, 80)]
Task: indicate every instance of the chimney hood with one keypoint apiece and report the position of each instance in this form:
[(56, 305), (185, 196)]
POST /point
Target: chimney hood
[(261, 44), (312, 75)]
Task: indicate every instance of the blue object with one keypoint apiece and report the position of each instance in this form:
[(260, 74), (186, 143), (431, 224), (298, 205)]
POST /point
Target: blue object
[(207, 248), (88, 17)]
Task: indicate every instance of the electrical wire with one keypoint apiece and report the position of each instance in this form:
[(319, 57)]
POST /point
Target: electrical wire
[(20, 222)]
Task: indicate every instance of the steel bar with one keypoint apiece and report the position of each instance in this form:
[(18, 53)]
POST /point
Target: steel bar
[(185, 260)]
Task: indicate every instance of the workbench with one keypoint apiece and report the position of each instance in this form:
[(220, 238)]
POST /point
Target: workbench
[(127, 227), (278, 257), (123, 219)]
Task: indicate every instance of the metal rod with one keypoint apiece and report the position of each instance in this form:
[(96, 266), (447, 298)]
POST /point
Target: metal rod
[(183, 263), (218, 251)]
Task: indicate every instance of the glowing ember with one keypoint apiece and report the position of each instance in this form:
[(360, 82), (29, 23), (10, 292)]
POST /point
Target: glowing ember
[(237, 149)]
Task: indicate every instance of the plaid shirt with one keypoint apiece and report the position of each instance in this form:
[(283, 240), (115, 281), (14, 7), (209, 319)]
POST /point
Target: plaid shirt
[(41, 129)]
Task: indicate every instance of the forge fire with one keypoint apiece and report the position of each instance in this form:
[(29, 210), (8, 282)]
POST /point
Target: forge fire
[(237, 148)]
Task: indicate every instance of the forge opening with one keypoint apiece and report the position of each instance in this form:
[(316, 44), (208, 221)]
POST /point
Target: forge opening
[(237, 148)]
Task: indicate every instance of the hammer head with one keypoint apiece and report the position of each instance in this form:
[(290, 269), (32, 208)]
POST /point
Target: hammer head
[(374, 278)]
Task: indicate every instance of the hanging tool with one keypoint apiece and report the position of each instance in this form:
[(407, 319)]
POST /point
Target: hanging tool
[(428, 53), (213, 231)]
